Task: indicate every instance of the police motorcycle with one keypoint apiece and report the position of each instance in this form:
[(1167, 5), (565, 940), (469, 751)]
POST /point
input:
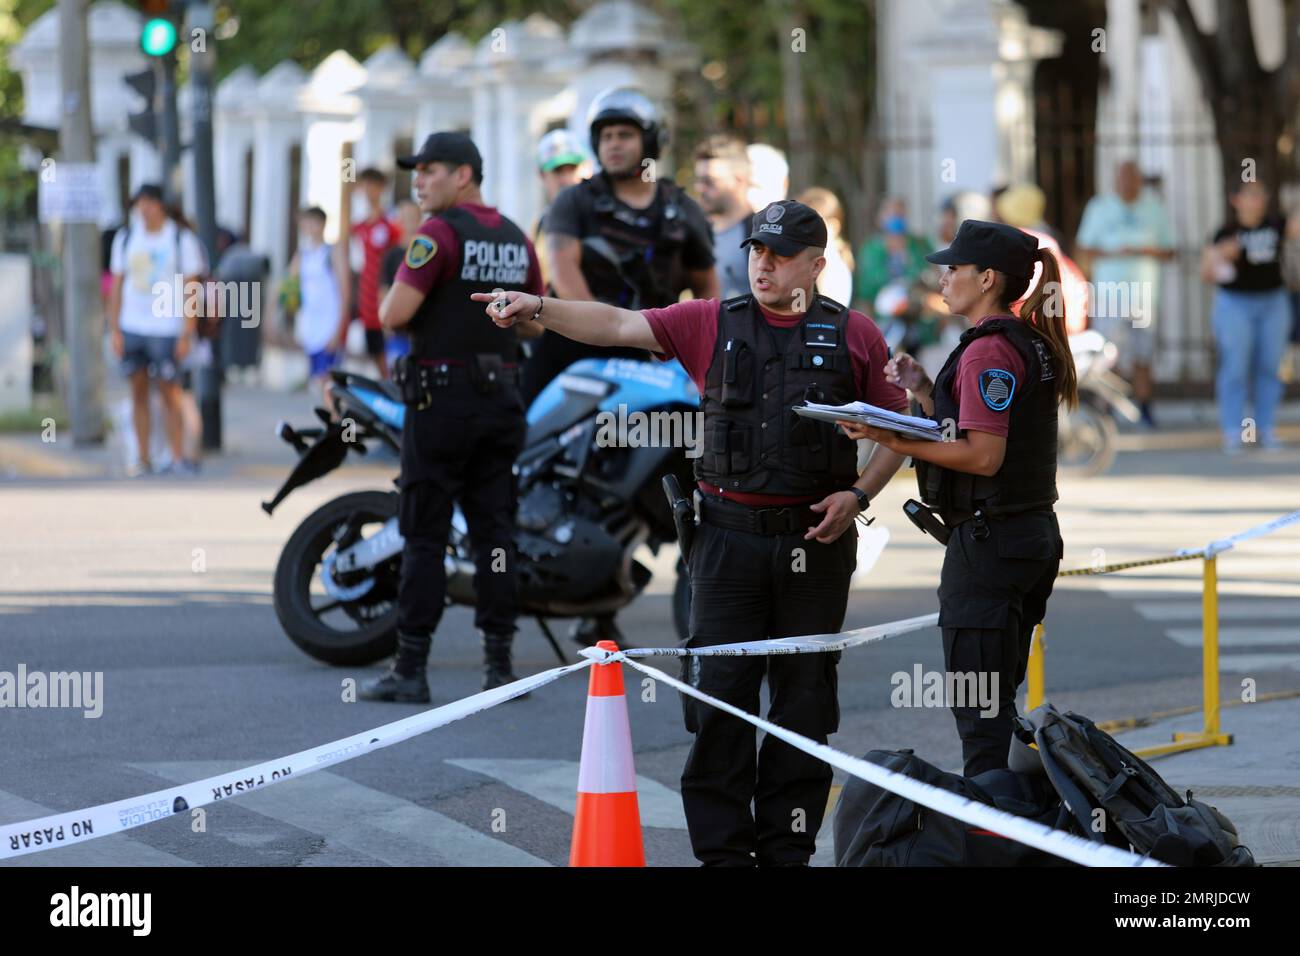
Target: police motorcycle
[(590, 494), (1088, 438)]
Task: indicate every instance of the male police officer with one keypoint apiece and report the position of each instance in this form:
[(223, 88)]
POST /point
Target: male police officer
[(770, 557), (625, 236), (464, 423)]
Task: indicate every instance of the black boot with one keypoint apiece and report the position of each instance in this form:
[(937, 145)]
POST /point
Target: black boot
[(496, 660), (405, 682), (589, 630)]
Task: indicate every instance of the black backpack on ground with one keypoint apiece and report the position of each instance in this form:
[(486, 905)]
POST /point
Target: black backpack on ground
[(1093, 772), (877, 827)]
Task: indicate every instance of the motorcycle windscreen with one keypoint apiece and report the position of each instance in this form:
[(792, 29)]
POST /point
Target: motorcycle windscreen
[(326, 454)]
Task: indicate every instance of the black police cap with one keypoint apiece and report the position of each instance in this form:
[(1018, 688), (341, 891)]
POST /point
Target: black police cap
[(787, 228), (446, 147), (991, 245)]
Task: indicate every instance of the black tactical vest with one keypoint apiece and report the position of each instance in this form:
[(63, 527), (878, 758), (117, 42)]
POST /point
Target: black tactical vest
[(1027, 479), (448, 324), (634, 269), (753, 442)]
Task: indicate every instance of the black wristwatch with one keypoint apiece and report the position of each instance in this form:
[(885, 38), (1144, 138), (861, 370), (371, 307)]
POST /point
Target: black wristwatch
[(863, 500)]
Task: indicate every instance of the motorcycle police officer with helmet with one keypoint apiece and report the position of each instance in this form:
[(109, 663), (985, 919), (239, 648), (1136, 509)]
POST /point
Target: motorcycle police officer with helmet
[(773, 552), (992, 488), (626, 237), (464, 423)]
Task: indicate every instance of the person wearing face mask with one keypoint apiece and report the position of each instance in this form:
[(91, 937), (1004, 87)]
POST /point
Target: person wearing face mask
[(1251, 316), (994, 486), (893, 254), (774, 550)]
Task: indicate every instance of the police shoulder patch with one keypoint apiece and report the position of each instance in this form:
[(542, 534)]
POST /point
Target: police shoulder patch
[(420, 250), (996, 388)]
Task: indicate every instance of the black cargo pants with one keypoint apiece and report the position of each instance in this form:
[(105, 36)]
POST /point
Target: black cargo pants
[(461, 448), (749, 587), (993, 591)]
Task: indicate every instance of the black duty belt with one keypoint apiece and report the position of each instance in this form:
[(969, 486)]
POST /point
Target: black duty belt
[(439, 372), (734, 516)]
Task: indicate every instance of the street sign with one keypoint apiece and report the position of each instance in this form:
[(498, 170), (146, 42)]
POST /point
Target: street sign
[(72, 194)]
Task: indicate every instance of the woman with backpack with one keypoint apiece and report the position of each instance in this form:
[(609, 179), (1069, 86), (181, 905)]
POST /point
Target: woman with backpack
[(994, 483)]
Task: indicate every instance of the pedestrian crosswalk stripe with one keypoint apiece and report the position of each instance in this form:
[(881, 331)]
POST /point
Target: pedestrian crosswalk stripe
[(1237, 636), (1254, 663), (380, 825), (556, 782), (1191, 610)]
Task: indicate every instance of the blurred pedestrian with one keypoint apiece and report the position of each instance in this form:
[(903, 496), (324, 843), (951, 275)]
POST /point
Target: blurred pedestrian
[(836, 280), (561, 163), (769, 175), (152, 319), (1024, 206), (1251, 317), (373, 236), (1123, 239), (722, 184), (893, 254), (323, 316)]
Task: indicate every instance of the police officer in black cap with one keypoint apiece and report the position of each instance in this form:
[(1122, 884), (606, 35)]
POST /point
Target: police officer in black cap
[(464, 421), (773, 553), (993, 487)]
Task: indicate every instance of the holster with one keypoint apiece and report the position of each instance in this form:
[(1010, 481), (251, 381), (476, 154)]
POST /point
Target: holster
[(412, 382), (683, 515), (926, 520)]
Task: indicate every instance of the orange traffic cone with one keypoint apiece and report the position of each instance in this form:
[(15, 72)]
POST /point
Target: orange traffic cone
[(607, 825)]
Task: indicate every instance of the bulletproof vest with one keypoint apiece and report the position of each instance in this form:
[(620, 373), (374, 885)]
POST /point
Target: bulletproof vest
[(753, 442), (1027, 479), (448, 324), (627, 267)]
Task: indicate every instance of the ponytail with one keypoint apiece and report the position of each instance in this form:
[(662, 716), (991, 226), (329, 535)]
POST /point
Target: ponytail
[(1044, 310)]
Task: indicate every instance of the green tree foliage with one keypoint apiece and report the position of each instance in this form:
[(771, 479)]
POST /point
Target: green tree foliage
[(16, 184)]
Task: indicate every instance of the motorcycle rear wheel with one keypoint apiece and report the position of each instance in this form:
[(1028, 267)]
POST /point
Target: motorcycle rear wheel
[(1089, 440), (302, 608)]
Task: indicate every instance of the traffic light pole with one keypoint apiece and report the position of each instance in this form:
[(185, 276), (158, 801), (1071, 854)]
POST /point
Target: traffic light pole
[(83, 324), (199, 22), (171, 128)]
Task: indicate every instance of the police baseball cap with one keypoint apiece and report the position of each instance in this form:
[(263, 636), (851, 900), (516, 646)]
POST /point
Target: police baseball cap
[(446, 147), (787, 227), (990, 245)]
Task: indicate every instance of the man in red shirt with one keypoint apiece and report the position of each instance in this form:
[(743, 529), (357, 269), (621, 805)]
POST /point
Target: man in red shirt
[(770, 557), (376, 234)]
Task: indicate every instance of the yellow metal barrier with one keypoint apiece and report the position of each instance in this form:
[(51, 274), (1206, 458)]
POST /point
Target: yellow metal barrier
[(1209, 735)]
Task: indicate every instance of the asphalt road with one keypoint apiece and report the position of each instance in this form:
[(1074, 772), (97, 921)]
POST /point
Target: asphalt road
[(164, 585)]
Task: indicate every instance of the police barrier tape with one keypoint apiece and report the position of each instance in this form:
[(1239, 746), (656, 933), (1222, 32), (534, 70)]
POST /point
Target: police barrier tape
[(1057, 842), (1223, 544), (77, 826), (804, 644)]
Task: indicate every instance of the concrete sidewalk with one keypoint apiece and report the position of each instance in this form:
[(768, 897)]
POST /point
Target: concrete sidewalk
[(251, 448), (1255, 782)]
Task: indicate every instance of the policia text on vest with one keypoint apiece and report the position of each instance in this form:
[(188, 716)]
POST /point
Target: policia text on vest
[(991, 491), (774, 548)]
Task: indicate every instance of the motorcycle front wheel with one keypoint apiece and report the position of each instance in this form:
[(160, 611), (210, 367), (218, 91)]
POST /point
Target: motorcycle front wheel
[(340, 630)]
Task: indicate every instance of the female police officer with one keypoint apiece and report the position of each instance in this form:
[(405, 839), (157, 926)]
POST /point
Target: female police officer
[(994, 485)]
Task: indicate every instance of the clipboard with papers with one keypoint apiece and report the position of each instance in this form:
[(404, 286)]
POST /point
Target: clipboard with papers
[(910, 426)]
